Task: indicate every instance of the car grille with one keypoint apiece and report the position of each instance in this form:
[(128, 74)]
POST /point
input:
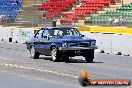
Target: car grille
[(79, 44)]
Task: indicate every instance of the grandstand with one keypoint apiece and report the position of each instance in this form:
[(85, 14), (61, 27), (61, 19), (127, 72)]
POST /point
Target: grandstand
[(25, 13), (84, 12), (124, 11), (73, 12), (87, 7), (28, 14), (9, 10), (54, 7)]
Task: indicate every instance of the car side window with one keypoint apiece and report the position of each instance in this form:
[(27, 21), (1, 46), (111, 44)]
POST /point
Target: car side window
[(45, 33), (69, 32), (39, 34)]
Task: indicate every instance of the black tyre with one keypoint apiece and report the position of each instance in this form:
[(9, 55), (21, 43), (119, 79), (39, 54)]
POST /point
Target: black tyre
[(89, 56), (55, 54), (34, 54), (65, 58)]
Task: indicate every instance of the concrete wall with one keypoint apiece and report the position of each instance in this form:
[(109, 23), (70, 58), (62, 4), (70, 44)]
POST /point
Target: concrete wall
[(112, 43), (19, 35)]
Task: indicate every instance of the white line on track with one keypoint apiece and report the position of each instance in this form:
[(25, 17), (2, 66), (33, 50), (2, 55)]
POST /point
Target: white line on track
[(35, 69)]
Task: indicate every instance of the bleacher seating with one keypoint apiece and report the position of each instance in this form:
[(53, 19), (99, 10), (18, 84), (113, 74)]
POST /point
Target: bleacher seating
[(9, 9), (54, 7), (124, 11), (87, 7)]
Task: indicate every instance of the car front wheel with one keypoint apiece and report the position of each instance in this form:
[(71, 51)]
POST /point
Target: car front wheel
[(55, 54), (34, 54), (65, 58), (89, 56)]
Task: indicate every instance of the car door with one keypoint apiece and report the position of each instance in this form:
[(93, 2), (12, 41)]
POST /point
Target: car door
[(45, 43), (37, 39)]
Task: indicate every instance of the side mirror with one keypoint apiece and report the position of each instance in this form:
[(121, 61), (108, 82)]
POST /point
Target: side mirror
[(48, 37), (82, 35)]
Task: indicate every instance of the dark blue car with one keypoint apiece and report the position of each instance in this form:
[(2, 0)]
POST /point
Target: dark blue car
[(61, 43)]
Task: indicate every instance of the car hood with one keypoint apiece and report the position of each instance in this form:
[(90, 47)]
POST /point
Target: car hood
[(69, 38)]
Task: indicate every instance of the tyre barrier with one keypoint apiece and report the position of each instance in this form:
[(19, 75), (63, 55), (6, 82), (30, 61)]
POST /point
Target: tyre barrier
[(10, 39)]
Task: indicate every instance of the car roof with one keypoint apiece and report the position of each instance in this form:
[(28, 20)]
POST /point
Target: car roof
[(57, 27)]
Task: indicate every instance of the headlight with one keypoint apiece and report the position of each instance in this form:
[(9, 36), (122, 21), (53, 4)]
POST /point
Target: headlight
[(64, 44), (93, 43)]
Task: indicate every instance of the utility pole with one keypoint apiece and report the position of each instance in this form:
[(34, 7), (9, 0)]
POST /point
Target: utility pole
[(122, 2), (122, 6), (32, 15)]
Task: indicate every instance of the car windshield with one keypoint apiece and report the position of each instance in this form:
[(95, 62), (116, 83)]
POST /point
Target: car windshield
[(60, 32)]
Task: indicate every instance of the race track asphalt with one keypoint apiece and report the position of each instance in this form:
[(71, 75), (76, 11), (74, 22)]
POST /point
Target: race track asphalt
[(15, 59)]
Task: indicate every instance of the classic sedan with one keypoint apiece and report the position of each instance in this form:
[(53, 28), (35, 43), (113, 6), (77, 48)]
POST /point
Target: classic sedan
[(61, 43)]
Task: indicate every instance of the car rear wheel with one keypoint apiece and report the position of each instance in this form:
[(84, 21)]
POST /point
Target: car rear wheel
[(55, 54), (34, 54), (89, 56)]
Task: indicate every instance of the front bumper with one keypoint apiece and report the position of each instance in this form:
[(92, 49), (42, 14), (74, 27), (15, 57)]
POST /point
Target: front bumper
[(77, 48)]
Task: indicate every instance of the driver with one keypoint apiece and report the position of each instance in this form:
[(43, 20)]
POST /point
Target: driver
[(51, 33)]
